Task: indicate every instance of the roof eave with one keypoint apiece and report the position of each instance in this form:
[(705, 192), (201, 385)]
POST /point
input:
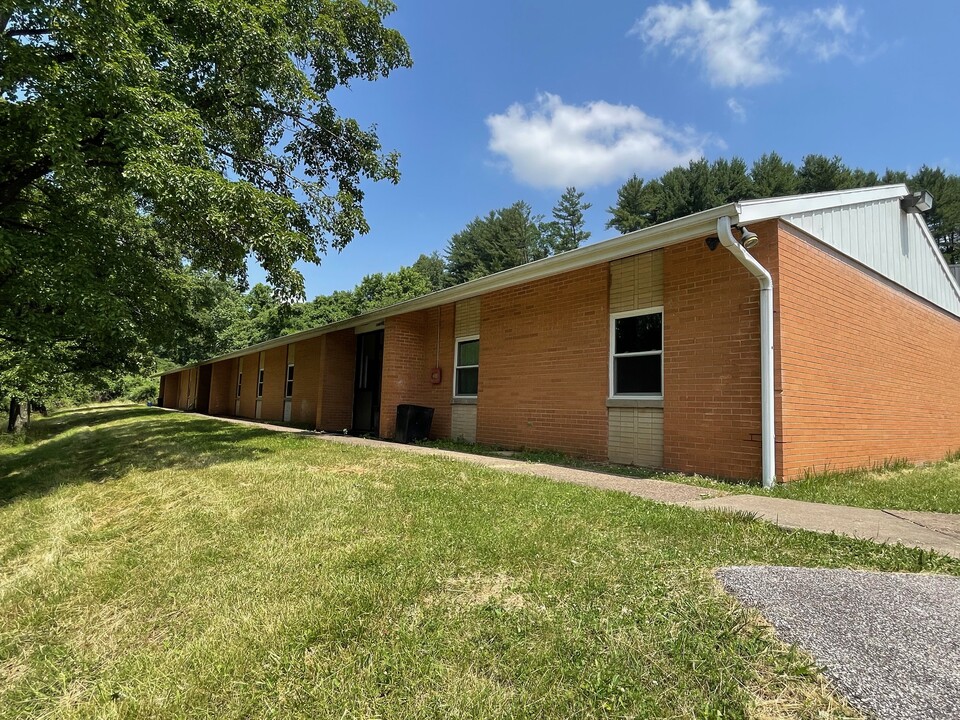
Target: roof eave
[(651, 238), (751, 211)]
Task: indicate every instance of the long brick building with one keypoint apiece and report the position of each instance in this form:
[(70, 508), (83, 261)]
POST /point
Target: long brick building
[(832, 342)]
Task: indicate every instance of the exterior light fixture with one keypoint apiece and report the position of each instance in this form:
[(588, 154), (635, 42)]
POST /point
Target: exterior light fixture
[(917, 203), (712, 242), (747, 238)]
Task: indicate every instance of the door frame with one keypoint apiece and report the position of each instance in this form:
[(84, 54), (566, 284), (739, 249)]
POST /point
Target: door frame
[(368, 377)]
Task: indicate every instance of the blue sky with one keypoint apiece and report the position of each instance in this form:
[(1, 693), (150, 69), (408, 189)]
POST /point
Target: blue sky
[(514, 100)]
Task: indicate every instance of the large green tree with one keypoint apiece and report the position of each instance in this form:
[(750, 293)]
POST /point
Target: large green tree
[(503, 239), (944, 218), (638, 205), (225, 319), (142, 134), (381, 289), (434, 269), (773, 177), (218, 320), (566, 230), (818, 173), (700, 185)]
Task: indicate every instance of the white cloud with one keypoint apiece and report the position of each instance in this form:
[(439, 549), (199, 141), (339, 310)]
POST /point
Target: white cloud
[(738, 111), (825, 33), (836, 18), (552, 144), (743, 44), (732, 43)]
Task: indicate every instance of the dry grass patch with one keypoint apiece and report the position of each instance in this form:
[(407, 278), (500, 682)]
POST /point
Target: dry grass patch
[(479, 589)]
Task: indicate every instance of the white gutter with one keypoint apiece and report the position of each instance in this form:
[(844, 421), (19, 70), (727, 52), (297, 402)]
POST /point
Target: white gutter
[(639, 241), (633, 243), (767, 408)]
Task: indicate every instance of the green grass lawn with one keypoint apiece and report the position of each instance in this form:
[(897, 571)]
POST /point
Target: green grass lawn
[(932, 487), (162, 565), (901, 486)]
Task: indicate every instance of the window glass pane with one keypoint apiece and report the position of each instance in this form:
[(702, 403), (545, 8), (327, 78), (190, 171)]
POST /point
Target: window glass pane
[(637, 375), (639, 333), (468, 380), (289, 373), (468, 353)]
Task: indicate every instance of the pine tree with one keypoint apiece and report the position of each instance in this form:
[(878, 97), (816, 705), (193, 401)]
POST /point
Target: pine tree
[(772, 177), (503, 239), (638, 205), (565, 231)]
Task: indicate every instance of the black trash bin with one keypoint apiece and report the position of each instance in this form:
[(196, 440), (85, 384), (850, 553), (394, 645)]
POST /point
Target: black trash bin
[(413, 423)]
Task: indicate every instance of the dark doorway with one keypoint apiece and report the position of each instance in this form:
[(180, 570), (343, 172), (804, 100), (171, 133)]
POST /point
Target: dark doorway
[(366, 384), (203, 389)]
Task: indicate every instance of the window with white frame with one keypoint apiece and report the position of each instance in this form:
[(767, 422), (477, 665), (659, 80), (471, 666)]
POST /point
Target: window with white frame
[(239, 382), (260, 383), (466, 376), (289, 389), (636, 353)]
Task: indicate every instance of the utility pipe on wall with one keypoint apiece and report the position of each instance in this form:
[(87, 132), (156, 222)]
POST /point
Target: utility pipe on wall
[(767, 408)]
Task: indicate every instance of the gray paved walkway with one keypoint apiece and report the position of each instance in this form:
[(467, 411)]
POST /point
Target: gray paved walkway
[(928, 531), (889, 641)]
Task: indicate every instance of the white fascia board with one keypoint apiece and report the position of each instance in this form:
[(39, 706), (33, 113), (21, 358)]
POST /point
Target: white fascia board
[(935, 249), (756, 210), (639, 241)]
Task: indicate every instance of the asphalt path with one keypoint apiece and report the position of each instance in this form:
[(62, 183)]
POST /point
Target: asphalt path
[(890, 642)]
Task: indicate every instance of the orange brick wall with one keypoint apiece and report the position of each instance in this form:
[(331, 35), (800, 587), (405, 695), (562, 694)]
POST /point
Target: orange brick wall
[(868, 371), (410, 352), (223, 388), (438, 396), (544, 359), (403, 359), (248, 391), (863, 370), (335, 400), (711, 358), (274, 376), (306, 381)]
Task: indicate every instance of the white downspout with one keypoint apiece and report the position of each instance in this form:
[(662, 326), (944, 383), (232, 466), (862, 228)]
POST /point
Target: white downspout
[(767, 408)]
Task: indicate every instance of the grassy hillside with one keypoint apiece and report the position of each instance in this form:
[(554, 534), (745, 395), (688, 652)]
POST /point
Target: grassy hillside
[(163, 565)]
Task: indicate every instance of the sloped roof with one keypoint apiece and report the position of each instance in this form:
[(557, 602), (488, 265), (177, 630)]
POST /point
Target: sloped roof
[(809, 212)]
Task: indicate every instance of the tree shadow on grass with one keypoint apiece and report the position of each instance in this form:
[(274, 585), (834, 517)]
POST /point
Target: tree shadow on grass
[(62, 421), (93, 453)]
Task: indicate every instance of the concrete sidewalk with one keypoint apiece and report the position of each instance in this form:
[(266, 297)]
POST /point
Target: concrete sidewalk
[(928, 531), (924, 530)]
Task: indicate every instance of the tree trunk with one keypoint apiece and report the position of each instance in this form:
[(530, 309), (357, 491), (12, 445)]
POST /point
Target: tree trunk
[(18, 415)]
